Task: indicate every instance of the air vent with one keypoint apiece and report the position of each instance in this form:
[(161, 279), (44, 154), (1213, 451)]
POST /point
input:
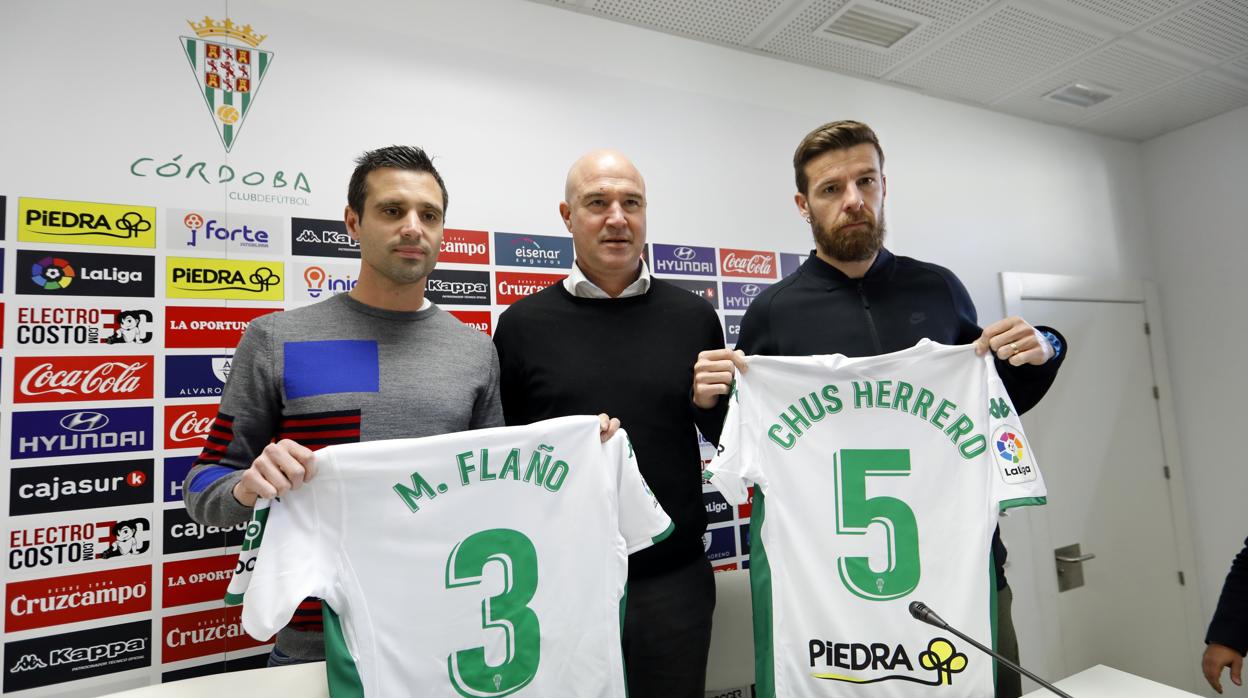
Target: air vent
[(1081, 94), (871, 23)]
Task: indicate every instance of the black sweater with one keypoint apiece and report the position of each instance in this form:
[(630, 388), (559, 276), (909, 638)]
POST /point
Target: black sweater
[(819, 310), (633, 359), (1230, 622)]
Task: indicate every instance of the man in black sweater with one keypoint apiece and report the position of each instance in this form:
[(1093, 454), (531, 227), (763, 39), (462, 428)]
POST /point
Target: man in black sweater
[(854, 297), (1227, 639), (612, 339)]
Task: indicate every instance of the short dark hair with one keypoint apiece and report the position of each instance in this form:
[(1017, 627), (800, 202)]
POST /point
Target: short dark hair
[(834, 135), (400, 157)]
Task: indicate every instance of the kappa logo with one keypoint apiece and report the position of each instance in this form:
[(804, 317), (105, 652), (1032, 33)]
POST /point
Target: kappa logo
[(327, 237), (228, 76), (96, 651), (28, 662)]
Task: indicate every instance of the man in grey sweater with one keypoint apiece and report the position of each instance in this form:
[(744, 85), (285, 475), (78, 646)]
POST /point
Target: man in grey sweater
[(381, 362)]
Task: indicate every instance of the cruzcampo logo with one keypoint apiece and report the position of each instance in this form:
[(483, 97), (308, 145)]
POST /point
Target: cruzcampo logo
[(228, 74)]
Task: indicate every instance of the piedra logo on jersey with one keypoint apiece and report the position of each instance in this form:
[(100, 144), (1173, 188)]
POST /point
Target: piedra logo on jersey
[(227, 75), (83, 223), (1013, 455), (940, 657), (193, 277)]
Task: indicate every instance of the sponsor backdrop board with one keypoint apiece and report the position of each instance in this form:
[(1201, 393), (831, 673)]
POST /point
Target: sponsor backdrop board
[(120, 308)]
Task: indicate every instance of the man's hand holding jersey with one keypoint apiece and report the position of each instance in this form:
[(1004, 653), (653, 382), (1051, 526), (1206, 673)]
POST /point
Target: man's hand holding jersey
[(282, 466), (713, 374), (1015, 341)]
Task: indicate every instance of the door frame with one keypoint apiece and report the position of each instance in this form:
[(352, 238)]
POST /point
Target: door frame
[(1017, 287)]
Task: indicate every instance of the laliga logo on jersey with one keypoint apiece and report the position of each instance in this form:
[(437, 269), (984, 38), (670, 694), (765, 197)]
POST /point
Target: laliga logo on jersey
[(941, 656), (1012, 456)]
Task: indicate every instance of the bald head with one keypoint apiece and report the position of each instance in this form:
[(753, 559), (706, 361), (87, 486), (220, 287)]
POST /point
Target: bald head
[(604, 208), (605, 164)]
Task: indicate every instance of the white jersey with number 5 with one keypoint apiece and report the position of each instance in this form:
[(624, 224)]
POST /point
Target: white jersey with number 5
[(484, 563), (878, 482)]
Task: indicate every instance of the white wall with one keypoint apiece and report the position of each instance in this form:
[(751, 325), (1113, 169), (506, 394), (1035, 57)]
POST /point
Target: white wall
[(1198, 216)]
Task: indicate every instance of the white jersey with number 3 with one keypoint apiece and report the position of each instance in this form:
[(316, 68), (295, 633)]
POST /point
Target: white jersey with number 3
[(879, 481), (484, 563)]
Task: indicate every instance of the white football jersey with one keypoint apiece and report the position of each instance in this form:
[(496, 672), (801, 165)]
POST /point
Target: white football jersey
[(483, 563), (878, 482)]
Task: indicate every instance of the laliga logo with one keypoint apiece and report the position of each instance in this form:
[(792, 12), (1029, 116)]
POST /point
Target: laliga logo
[(750, 290), (189, 427), (52, 273), (684, 254), (84, 421)]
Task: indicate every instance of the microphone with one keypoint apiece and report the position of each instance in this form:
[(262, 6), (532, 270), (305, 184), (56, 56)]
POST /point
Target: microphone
[(922, 612)]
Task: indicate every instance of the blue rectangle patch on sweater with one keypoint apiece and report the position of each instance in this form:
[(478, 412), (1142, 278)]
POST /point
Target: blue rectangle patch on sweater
[(331, 366)]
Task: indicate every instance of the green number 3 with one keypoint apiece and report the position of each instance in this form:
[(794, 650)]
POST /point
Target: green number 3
[(855, 513), (509, 612)]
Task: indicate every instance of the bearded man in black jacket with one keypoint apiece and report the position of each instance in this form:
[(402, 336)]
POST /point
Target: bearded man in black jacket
[(854, 297)]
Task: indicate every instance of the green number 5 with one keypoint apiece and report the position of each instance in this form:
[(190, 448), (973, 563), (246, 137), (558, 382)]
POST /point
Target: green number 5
[(509, 612), (855, 513)]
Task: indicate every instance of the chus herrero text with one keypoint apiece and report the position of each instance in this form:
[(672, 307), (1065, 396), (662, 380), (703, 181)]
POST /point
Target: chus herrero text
[(917, 401)]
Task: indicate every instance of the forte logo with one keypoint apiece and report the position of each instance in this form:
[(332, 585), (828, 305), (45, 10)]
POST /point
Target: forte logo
[(224, 233)]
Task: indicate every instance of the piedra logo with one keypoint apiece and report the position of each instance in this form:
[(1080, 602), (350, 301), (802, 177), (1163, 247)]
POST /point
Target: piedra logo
[(940, 657), (227, 74)]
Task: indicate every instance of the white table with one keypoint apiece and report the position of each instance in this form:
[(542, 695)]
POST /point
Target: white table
[(1101, 680), (300, 680)]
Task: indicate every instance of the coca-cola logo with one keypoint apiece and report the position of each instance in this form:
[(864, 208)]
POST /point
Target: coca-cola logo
[(79, 378), (757, 264), (186, 426)]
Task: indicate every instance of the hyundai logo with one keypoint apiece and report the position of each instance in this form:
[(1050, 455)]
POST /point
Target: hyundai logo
[(684, 253), (750, 290), (84, 421)]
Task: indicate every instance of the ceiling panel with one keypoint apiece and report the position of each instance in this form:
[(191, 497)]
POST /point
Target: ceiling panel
[(728, 21), (1217, 28), (1169, 63), (798, 41), (1130, 13), (997, 53), (1131, 73), (1195, 99)]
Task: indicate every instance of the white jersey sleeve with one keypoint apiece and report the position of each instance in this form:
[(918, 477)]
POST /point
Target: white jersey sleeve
[(736, 463), (642, 520), (295, 565), (1018, 481)]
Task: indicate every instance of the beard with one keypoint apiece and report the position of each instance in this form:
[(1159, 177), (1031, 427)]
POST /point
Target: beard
[(857, 245)]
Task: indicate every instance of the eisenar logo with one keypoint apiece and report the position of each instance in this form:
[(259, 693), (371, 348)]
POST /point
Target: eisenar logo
[(81, 432), (74, 598), (51, 488), (79, 378), (44, 661), (58, 273), (533, 250)]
